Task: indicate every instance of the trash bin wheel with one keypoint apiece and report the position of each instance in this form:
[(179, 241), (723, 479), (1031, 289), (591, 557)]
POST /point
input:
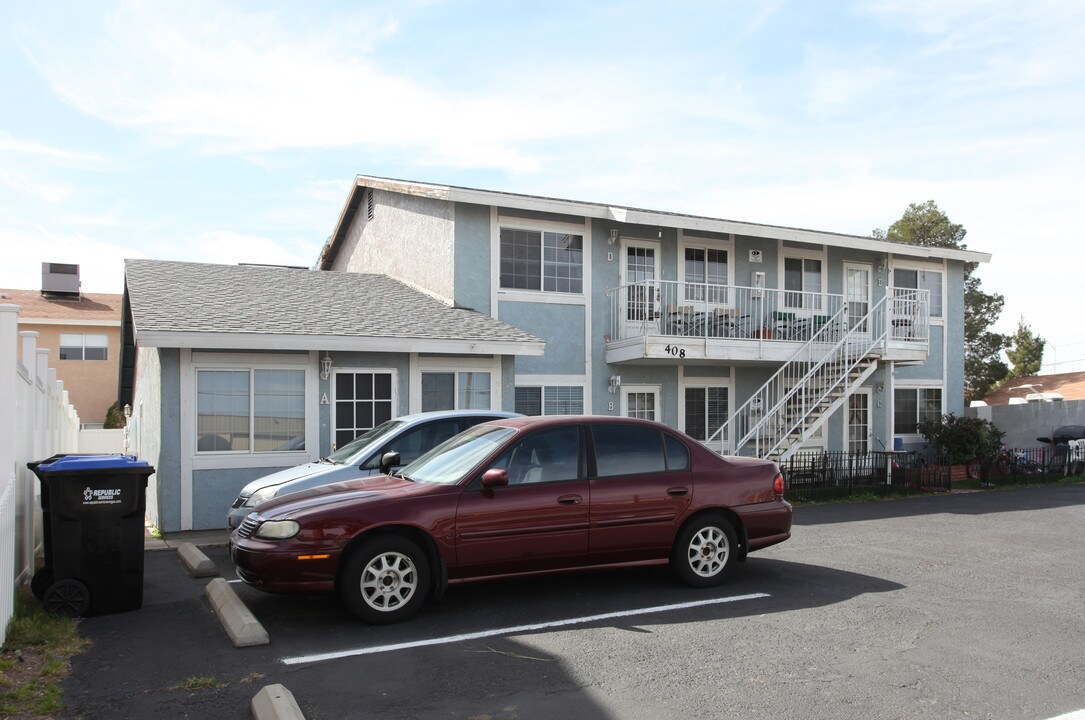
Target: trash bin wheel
[(41, 581), (67, 597)]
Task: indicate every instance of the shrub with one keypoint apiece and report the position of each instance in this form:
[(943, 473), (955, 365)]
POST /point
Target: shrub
[(962, 438)]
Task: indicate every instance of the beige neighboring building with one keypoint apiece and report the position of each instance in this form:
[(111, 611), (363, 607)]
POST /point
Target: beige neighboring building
[(82, 332)]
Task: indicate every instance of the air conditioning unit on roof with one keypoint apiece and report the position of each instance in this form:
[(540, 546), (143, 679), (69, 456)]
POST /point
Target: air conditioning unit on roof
[(59, 279)]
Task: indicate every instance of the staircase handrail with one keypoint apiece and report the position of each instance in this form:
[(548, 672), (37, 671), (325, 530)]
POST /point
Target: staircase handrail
[(805, 358)]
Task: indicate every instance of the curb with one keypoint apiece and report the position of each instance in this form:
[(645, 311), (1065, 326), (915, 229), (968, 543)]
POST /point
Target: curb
[(275, 702), (198, 564), (240, 624)]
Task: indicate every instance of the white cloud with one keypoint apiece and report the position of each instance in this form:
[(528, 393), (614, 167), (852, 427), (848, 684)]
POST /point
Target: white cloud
[(101, 262), (10, 146), (231, 248), (187, 73)]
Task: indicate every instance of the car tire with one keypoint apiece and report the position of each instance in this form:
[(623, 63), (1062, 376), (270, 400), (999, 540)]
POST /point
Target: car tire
[(704, 551), (385, 580)]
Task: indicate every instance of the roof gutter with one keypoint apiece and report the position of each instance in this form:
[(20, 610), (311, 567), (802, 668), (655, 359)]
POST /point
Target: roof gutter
[(267, 341), (612, 213)]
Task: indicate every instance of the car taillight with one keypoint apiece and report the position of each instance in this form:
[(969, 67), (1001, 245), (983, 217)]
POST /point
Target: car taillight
[(778, 484)]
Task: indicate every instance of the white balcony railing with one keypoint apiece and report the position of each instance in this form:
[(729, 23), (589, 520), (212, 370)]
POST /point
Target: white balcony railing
[(666, 308)]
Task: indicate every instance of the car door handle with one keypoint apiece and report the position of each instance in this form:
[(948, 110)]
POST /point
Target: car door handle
[(677, 491), (570, 500)]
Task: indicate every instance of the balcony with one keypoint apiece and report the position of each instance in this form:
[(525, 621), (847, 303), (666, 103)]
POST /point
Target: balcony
[(662, 321)]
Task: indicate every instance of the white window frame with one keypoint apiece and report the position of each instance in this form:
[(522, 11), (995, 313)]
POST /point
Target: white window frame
[(921, 267), (695, 242), (790, 253), (541, 226), (83, 346), (420, 365), (544, 381), (656, 390), (257, 363), (913, 385), (685, 383), (191, 461)]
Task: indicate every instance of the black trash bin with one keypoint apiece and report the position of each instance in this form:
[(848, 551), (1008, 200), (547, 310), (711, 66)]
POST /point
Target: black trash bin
[(93, 509)]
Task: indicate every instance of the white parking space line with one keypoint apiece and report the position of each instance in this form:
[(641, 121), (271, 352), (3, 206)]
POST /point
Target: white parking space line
[(301, 659), (1076, 715)]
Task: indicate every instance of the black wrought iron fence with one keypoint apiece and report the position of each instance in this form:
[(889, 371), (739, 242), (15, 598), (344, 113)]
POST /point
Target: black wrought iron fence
[(1012, 466), (822, 476)]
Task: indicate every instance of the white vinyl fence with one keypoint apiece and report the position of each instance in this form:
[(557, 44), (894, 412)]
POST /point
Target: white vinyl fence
[(36, 422)]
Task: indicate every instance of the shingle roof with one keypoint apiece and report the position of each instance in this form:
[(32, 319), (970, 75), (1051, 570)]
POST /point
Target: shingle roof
[(178, 298), (91, 307), (1071, 385)]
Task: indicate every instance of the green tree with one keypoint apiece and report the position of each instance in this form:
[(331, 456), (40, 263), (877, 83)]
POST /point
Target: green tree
[(961, 439), (1025, 351), (926, 224), (113, 417)]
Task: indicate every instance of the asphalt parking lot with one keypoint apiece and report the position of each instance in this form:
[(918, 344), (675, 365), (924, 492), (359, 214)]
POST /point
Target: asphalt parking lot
[(969, 605)]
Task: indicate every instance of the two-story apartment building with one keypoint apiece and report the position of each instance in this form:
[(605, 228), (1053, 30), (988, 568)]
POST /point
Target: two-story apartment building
[(755, 339)]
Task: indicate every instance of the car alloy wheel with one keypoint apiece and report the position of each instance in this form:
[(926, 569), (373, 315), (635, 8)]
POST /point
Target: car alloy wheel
[(385, 580), (389, 581), (708, 551), (704, 551)]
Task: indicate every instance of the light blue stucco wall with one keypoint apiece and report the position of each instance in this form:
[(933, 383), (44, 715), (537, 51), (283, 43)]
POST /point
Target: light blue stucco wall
[(562, 326), (168, 469), (955, 349), (472, 257)]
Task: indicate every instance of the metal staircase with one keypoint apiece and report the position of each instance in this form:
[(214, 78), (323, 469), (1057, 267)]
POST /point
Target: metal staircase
[(818, 379)]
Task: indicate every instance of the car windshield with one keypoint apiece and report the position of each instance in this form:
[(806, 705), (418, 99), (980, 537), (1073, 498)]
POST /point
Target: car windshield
[(353, 451), (452, 460)]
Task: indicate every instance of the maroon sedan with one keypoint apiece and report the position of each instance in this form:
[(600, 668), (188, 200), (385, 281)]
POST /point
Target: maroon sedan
[(517, 497)]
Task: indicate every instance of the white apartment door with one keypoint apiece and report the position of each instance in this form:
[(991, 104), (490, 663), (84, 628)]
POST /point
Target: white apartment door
[(857, 294), (640, 294), (859, 422)]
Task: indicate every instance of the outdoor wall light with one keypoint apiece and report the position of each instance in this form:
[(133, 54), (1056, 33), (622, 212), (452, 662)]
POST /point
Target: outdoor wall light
[(613, 237), (879, 388), (127, 411), (615, 383), (325, 367)]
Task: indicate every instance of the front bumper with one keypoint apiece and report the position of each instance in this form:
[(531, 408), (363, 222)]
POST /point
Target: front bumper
[(271, 567)]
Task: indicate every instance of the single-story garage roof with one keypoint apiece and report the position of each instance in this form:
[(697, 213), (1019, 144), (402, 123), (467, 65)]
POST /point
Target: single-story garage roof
[(255, 307)]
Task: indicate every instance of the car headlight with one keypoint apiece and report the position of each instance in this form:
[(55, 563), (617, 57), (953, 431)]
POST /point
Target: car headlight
[(277, 530), (264, 493)]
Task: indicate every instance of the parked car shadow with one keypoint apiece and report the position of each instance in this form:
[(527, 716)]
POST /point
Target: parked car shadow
[(303, 626), (443, 662)]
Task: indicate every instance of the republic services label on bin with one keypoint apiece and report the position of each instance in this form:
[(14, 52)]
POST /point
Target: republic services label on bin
[(104, 496)]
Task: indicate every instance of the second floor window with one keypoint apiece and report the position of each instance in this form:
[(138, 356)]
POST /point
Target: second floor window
[(706, 275), (77, 346), (542, 260), (802, 283), (930, 280)]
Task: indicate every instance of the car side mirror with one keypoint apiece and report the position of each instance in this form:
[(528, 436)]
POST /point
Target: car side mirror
[(495, 477), (389, 460)]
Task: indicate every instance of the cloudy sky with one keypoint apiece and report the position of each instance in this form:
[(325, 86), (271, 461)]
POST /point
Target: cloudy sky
[(230, 132)]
